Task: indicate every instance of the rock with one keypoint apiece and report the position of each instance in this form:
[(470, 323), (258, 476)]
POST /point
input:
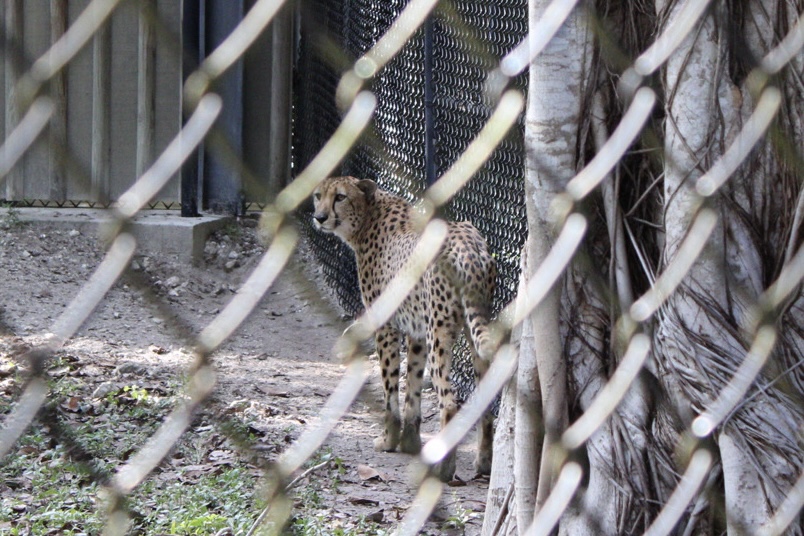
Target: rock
[(44, 293), (234, 255), (103, 389), (73, 233), (231, 265), (173, 282), (376, 517), (7, 369), (239, 405), (131, 367)]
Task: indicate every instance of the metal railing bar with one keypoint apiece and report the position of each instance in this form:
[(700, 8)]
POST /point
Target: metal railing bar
[(550, 512), (334, 150), (74, 39), (93, 291), (251, 292), (731, 394), (787, 282), (315, 434), (539, 35), (404, 281), (502, 368), (234, 46), (761, 348), (336, 405), (171, 159), (783, 53), (610, 395), (682, 23), (753, 130), (16, 422), (25, 134), (609, 154), (546, 275), (688, 486), (666, 283), (144, 461), (478, 151), (383, 50), (419, 512), (787, 512)]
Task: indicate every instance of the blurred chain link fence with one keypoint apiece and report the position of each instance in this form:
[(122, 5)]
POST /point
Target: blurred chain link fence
[(380, 99)]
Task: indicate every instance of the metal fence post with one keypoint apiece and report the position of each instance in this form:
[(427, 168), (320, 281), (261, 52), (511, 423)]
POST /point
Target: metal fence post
[(223, 188), (13, 30), (193, 45), (429, 105)]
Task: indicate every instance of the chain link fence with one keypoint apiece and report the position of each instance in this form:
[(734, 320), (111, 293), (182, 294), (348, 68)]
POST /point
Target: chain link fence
[(360, 108)]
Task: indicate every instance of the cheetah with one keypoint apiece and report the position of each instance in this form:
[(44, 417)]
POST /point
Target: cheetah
[(454, 294)]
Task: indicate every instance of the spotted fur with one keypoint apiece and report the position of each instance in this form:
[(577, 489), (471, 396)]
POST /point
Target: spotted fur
[(453, 295)]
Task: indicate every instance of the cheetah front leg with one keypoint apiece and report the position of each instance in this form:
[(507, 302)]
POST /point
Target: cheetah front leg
[(387, 340), (411, 439)]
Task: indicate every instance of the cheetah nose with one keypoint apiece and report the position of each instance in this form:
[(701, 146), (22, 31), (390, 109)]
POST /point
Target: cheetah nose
[(320, 218)]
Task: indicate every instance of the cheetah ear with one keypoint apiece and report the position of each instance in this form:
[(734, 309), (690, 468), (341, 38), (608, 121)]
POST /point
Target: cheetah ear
[(368, 187)]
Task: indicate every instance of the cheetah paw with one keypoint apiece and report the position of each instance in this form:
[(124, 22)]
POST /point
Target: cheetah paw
[(483, 464), (385, 444), (445, 470), (411, 442)]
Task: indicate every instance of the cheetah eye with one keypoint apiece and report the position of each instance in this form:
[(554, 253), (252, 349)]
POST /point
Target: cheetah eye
[(339, 197), (317, 196)]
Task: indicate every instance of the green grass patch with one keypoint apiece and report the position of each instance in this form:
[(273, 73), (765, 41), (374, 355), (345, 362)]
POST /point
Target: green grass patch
[(54, 480), (50, 483)]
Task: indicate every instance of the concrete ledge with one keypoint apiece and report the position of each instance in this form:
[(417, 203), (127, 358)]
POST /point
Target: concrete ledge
[(158, 232)]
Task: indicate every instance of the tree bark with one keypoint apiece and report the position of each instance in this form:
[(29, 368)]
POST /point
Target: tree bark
[(529, 432), (501, 501), (570, 345), (698, 335), (551, 133)]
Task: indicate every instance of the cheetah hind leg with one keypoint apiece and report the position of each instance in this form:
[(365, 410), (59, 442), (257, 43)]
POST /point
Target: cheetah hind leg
[(387, 341), (445, 469), (411, 442), (485, 428)]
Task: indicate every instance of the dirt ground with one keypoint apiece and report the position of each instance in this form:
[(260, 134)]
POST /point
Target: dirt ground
[(277, 370)]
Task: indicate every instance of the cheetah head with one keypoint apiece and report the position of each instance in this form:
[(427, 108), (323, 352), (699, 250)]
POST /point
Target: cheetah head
[(340, 205)]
